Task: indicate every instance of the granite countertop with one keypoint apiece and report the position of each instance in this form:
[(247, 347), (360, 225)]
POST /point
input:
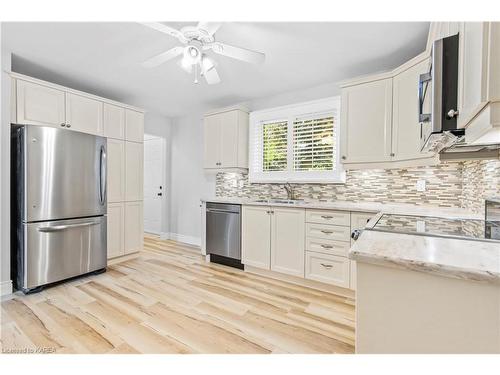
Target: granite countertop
[(450, 257), (375, 207)]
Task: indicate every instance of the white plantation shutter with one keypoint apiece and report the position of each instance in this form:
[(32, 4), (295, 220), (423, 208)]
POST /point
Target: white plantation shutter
[(297, 143), (314, 143)]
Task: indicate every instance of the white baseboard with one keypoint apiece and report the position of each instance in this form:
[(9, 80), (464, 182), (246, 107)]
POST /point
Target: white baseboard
[(191, 240), (5, 288)]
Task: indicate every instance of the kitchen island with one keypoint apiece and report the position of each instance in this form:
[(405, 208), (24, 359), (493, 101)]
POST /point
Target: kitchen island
[(422, 294)]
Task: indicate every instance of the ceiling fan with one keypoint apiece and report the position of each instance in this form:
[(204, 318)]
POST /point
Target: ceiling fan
[(196, 40)]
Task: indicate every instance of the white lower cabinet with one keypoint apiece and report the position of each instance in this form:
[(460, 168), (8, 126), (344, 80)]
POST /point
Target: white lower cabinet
[(116, 223), (256, 236), (287, 240), (329, 269), (133, 227)]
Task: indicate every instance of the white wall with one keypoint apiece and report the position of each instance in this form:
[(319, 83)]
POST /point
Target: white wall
[(189, 182), (160, 126), (5, 63)]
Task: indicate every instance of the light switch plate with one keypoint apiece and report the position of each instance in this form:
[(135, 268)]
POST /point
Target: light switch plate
[(421, 185)]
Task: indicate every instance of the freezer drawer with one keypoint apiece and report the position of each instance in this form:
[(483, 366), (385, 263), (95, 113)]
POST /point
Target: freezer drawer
[(57, 250)]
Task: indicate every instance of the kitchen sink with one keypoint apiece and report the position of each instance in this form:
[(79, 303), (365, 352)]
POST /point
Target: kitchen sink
[(280, 201)]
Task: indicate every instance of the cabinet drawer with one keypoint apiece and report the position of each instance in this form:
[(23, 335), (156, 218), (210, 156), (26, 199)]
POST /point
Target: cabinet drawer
[(326, 268), (328, 217), (327, 246), (328, 232)]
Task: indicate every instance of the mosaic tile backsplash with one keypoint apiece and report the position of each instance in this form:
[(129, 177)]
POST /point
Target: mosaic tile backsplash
[(449, 184)]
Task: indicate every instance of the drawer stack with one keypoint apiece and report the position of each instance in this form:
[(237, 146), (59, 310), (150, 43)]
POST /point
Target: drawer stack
[(327, 244)]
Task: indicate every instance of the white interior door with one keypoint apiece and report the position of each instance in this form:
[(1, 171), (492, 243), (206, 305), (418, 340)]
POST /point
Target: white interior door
[(154, 189)]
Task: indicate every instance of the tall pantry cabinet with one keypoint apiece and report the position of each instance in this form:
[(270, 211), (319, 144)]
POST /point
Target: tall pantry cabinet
[(42, 103)]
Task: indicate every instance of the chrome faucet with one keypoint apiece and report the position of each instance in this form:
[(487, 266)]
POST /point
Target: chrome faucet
[(290, 192)]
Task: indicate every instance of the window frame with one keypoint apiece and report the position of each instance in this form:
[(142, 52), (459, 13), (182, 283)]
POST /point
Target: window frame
[(327, 106)]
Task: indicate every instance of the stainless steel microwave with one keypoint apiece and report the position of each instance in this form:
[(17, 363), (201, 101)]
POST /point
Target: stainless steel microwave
[(437, 97)]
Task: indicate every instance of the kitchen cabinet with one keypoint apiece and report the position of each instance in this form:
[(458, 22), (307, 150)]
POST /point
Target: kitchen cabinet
[(287, 240), (134, 171), (405, 125), (366, 122), (328, 269), (134, 126), (116, 170), (114, 121), (226, 140), (115, 230), (84, 114), (133, 226), (256, 236), (39, 105)]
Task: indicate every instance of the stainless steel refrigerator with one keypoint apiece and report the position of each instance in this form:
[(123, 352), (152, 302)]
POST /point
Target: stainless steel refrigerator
[(58, 205)]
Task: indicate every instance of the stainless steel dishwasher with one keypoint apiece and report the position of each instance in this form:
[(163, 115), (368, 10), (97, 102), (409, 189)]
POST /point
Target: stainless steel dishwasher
[(223, 239)]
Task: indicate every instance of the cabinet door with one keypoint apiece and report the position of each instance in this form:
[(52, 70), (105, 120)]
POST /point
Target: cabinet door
[(229, 139), (472, 68), (133, 227), (84, 114), (405, 125), (134, 171), (116, 234), (116, 170), (114, 121), (288, 240), (366, 118), (39, 105), (134, 126), (212, 130), (256, 236)]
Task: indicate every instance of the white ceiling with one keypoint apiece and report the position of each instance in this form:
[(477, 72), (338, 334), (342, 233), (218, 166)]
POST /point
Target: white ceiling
[(105, 59)]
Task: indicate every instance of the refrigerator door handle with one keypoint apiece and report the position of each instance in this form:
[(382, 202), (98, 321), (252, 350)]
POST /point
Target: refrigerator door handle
[(102, 175), (57, 228)]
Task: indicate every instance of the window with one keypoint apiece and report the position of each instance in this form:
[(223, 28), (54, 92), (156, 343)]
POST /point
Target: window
[(296, 143)]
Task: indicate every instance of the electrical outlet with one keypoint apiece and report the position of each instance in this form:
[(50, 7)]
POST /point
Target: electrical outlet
[(235, 183), (421, 185), (420, 226), (241, 184)]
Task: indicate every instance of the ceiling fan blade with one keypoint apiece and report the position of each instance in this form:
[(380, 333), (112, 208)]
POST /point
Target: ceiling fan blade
[(166, 30), (210, 27), (239, 53), (163, 57), (212, 76)]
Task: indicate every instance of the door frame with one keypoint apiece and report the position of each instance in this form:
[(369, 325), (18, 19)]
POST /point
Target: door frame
[(164, 198)]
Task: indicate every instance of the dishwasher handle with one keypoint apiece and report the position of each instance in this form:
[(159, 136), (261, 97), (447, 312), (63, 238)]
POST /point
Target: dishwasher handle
[(221, 211)]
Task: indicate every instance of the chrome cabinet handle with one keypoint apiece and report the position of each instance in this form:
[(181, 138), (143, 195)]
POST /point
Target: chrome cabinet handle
[(327, 266), (63, 124), (57, 228), (68, 125), (326, 231), (327, 246), (327, 217)]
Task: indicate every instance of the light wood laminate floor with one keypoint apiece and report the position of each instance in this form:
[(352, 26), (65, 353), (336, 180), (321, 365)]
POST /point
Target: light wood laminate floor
[(169, 300)]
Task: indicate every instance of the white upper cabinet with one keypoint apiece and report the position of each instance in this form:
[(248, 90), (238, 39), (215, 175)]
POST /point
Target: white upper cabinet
[(288, 240), (366, 122), (134, 126), (134, 171), (479, 72), (116, 170), (39, 105), (114, 121), (226, 140), (84, 114), (405, 125)]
